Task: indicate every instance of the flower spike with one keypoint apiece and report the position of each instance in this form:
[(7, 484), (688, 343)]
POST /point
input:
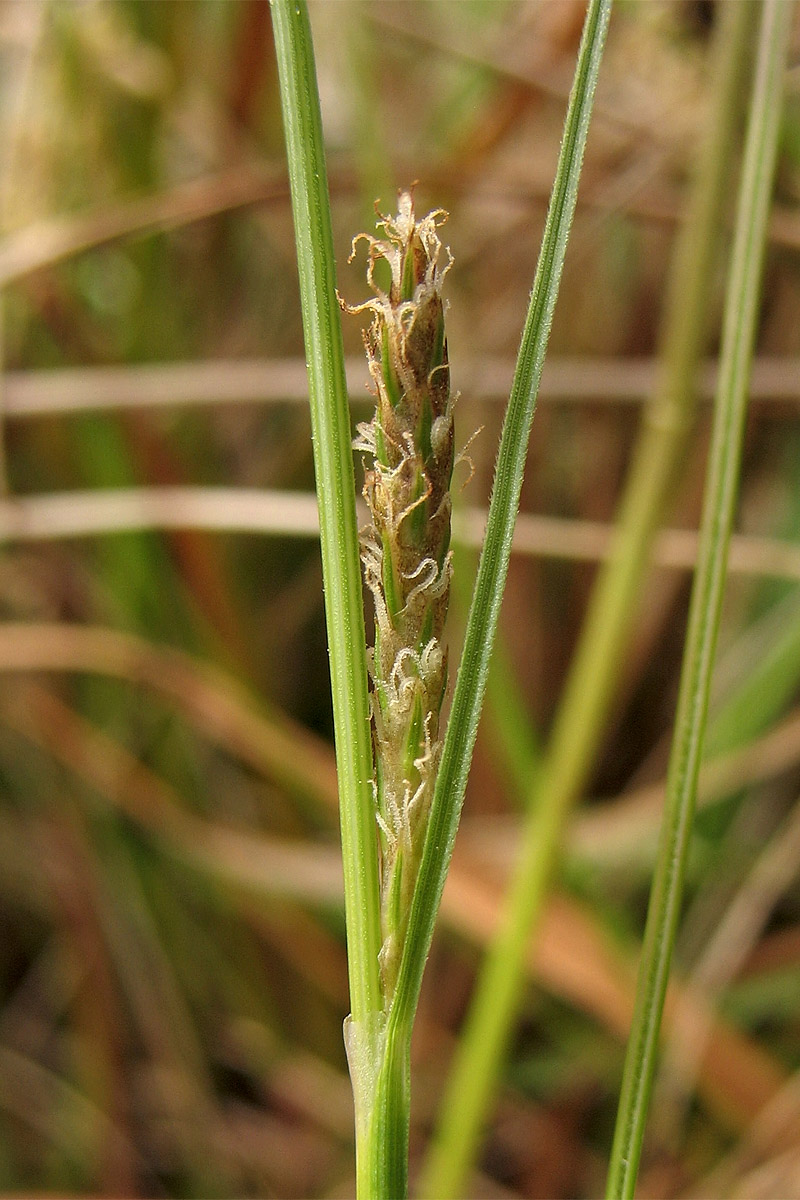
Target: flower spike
[(409, 452)]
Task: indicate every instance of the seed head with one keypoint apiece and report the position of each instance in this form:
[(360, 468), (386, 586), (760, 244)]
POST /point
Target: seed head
[(407, 563)]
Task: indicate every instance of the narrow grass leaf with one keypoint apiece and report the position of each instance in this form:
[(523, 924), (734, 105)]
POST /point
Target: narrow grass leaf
[(741, 312), (333, 463), (493, 567)]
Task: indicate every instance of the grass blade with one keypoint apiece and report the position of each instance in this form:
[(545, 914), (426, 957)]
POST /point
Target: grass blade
[(493, 566), (741, 313), (333, 461)]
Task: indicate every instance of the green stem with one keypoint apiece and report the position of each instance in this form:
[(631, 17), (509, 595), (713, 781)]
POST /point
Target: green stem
[(333, 464), (741, 313), (389, 1132), (589, 689)]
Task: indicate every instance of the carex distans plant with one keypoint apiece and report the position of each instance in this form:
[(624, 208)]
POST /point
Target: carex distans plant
[(409, 454)]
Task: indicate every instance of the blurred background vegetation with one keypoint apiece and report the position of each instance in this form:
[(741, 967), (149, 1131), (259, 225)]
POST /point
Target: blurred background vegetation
[(172, 970)]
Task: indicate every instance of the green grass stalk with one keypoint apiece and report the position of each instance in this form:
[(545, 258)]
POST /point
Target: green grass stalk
[(739, 329), (333, 462), (590, 685)]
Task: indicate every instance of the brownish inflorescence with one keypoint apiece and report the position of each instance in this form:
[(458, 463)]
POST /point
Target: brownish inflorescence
[(409, 461)]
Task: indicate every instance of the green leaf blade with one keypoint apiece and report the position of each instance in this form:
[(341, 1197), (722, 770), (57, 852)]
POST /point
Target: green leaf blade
[(333, 462), (741, 312)]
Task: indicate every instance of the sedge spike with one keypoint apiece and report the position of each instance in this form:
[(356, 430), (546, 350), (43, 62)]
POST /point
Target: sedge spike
[(408, 448)]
